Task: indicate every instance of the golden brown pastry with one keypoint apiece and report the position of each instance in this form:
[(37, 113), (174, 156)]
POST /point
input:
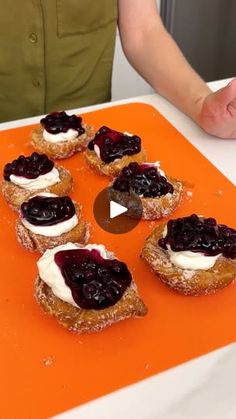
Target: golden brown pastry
[(26, 176), (100, 290), (111, 150), (47, 220), (60, 135), (158, 193), (210, 261)]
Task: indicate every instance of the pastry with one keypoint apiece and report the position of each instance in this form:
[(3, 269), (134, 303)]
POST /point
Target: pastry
[(47, 220), (159, 194), (111, 150), (193, 255), (26, 176), (85, 288), (61, 135)]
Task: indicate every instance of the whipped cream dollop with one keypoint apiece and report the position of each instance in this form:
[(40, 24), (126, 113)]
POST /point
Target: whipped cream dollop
[(46, 194), (190, 260), (157, 165), (97, 150), (51, 274), (69, 135), (40, 182), (54, 230)]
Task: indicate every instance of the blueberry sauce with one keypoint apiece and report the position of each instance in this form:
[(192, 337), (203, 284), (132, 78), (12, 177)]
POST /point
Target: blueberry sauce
[(198, 234), (144, 180), (57, 122), (29, 167), (47, 211), (114, 145), (95, 283)]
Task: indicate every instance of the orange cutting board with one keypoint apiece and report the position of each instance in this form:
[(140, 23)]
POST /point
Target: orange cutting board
[(45, 369)]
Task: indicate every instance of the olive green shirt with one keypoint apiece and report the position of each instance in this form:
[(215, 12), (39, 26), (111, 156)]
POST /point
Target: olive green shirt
[(55, 55)]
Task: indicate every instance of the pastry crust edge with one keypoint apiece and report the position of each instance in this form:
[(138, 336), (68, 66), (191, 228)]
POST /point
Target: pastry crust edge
[(78, 320), (114, 168), (37, 242), (15, 195), (63, 149), (186, 281), (153, 208)]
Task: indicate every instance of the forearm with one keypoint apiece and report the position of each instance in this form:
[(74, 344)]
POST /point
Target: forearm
[(154, 54)]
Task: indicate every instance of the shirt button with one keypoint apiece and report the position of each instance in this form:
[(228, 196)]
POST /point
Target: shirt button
[(33, 38), (36, 83)]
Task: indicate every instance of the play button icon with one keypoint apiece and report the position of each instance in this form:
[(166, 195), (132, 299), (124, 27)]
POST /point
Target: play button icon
[(117, 213), (116, 209)]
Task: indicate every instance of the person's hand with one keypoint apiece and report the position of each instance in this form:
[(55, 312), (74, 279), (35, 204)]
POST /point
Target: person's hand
[(218, 113)]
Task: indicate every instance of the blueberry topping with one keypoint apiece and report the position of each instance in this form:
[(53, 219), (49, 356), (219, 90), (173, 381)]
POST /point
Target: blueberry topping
[(144, 180), (95, 283), (114, 145), (57, 122), (29, 167), (198, 234), (47, 211)]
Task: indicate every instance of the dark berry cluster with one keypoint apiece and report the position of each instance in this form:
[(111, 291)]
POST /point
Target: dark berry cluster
[(114, 145), (47, 211), (199, 234), (29, 167), (95, 283), (144, 180), (57, 122)]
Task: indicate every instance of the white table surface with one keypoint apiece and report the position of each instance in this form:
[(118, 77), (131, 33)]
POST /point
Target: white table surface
[(203, 388), (183, 392)]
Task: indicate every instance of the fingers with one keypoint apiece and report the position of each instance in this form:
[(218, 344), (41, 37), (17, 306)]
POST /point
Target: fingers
[(227, 94)]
